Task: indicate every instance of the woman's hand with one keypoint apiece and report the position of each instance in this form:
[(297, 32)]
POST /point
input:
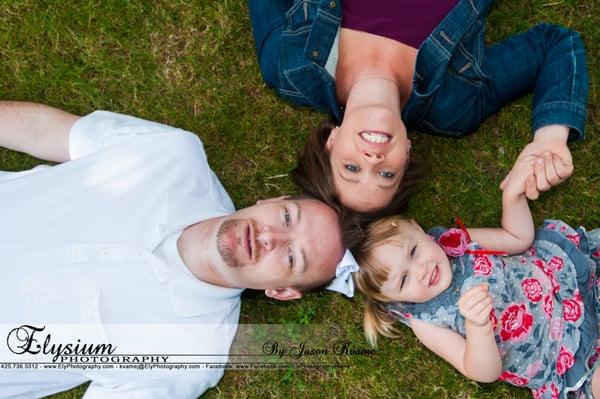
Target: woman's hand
[(475, 305), (554, 163)]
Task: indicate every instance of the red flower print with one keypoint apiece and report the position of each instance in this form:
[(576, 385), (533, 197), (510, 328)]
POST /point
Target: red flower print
[(493, 319), (531, 252), (596, 253), (532, 289), (574, 238), (539, 263), (554, 391), (515, 322), (513, 378), (539, 393), (483, 265), (454, 242), (548, 306), (573, 308), (551, 226), (555, 264), (564, 361)]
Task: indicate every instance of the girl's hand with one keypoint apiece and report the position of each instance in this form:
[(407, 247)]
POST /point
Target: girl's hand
[(521, 178), (475, 305)]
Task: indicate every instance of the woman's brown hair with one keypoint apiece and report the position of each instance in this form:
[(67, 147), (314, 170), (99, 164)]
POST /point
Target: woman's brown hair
[(314, 175)]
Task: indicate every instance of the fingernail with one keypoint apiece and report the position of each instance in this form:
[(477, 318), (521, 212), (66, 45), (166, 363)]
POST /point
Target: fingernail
[(539, 160)]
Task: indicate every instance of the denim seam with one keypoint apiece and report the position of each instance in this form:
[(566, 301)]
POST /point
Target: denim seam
[(450, 133), (466, 80), (571, 105), (574, 68)]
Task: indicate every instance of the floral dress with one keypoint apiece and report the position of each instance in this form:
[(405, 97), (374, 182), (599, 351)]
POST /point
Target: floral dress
[(545, 314)]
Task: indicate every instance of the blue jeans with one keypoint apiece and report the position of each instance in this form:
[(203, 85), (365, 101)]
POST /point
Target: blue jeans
[(458, 81), (547, 60)]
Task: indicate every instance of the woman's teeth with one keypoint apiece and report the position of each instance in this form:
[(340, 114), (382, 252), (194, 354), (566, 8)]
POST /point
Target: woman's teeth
[(377, 138)]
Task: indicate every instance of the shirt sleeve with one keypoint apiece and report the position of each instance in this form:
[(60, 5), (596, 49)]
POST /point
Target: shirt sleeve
[(102, 129)]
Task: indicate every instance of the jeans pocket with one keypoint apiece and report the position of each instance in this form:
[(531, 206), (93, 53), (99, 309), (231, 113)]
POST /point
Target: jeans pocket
[(301, 15), (466, 67)]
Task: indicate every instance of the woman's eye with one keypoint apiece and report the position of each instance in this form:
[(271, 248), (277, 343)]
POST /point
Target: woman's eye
[(386, 173), (287, 217), (352, 168), (290, 258), (402, 282)]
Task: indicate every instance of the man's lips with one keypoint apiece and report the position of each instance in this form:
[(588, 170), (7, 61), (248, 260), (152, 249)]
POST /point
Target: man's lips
[(249, 241)]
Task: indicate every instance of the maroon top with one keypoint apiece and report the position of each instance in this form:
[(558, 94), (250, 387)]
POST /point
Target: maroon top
[(406, 21)]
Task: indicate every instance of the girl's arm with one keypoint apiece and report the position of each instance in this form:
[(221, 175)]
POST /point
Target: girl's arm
[(516, 232), (475, 356)]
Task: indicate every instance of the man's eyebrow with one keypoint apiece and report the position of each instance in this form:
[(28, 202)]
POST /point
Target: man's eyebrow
[(303, 255), (298, 219), (347, 179)]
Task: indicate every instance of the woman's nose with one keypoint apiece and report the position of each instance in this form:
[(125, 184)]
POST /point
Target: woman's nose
[(373, 156)]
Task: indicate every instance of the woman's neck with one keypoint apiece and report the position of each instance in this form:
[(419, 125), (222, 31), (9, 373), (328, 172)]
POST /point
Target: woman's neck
[(365, 56), (374, 90)]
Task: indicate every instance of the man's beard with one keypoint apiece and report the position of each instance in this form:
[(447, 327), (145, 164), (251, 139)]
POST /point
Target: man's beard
[(223, 244)]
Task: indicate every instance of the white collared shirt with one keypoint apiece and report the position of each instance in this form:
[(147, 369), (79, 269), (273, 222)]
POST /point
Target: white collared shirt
[(92, 241)]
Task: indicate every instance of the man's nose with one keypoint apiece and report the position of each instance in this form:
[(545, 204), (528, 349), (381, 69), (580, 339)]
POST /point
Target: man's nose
[(373, 156), (270, 238)]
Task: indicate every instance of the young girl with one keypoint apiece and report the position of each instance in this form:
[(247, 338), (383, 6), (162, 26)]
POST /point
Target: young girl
[(488, 301)]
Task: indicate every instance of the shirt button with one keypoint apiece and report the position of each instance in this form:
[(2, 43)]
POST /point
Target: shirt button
[(332, 4), (315, 53)]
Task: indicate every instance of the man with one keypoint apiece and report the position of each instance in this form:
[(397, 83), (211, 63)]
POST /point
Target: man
[(132, 241)]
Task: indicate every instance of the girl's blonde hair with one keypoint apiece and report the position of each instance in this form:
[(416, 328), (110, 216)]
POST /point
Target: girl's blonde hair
[(372, 274)]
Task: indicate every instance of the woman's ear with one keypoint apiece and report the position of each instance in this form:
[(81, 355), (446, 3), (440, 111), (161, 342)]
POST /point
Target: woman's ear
[(332, 137)]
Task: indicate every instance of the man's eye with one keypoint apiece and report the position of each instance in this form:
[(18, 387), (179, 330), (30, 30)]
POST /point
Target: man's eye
[(287, 217), (352, 168), (386, 173), (413, 251), (291, 259)]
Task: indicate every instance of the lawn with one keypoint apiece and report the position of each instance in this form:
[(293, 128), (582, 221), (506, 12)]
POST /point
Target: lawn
[(192, 64)]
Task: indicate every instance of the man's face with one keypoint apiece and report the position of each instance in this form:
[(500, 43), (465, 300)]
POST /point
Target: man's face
[(281, 243)]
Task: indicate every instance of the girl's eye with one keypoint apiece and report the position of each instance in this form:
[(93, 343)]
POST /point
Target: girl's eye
[(287, 217), (402, 281), (291, 259), (386, 173), (352, 168), (413, 251)]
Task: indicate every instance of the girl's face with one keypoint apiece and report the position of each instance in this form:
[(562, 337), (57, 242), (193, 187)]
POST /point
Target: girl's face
[(368, 155), (419, 270)]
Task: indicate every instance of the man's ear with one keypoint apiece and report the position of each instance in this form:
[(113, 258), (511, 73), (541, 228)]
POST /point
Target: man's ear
[(332, 137), (284, 294), (272, 199)]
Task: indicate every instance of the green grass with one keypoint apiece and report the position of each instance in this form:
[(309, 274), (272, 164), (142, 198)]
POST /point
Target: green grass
[(192, 64)]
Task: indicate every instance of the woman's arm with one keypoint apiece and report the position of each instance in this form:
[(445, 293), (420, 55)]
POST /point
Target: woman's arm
[(516, 232)]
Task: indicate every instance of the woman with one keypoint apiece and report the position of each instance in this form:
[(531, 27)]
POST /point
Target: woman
[(383, 68)]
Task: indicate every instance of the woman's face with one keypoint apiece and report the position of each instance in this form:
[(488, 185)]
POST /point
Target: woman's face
[(368, 154)]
